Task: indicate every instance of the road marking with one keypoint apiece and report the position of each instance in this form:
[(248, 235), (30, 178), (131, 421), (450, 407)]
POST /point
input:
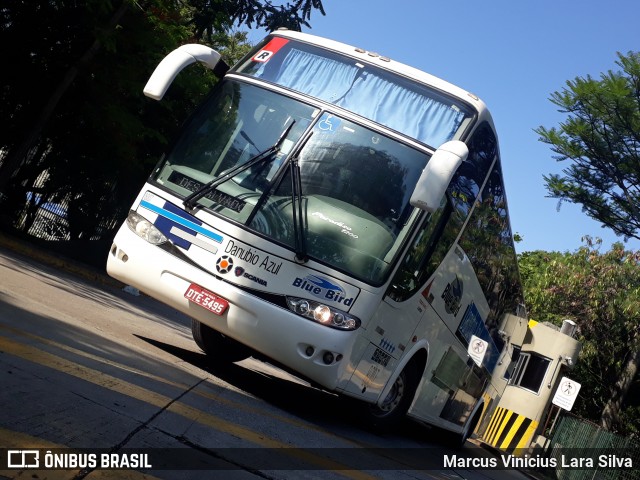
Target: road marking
[(128, 389), (91, 356), (209, 396)]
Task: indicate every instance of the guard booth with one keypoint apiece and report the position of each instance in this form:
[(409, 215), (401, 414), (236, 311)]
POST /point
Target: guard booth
[(537, 356)]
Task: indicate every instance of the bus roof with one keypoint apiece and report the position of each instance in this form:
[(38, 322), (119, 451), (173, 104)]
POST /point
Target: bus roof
[(392, 65)]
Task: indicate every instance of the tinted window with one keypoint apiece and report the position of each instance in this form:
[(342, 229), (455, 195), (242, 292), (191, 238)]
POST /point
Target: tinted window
[(443, 226), (430, 246), (488, 243)]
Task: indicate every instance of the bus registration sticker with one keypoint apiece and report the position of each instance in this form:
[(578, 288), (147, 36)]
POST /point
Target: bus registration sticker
[(270, 49), (206, 299)]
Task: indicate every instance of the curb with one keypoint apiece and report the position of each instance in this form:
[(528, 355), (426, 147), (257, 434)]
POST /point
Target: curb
[(60, 262)]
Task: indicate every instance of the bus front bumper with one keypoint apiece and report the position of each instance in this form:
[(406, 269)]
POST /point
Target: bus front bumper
[(294, 341)]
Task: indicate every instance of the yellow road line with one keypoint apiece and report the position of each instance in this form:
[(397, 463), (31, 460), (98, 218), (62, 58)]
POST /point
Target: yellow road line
[(91, 356), (206, 395), (161, 401)]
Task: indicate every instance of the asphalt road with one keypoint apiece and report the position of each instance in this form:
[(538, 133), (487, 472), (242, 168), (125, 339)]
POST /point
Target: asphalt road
[(88, 370)]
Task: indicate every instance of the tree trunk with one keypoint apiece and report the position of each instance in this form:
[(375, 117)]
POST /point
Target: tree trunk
[(21, 152), (611, 413)]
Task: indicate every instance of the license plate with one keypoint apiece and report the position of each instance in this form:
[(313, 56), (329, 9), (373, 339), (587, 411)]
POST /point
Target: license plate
[(206, 299)]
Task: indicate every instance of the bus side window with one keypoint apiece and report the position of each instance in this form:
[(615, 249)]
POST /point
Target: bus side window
[(440, 230), (429, 249)]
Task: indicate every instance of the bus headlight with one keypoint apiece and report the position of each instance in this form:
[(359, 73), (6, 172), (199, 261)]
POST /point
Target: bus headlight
[(321, 313), (145, 229)]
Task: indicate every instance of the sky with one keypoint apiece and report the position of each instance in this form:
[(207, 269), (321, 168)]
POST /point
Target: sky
[(513, 54)]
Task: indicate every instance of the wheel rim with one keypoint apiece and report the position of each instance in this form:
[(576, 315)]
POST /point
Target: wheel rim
[(394, 397)]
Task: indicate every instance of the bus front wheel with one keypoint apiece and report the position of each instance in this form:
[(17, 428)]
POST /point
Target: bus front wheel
[(217, 346), (395, 405)]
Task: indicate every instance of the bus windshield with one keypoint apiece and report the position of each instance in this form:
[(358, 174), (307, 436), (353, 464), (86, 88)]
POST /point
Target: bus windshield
[(406, 106), (349, 190)]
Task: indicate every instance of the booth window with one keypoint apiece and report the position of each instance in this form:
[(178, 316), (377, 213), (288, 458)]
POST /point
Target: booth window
[(530, 371)]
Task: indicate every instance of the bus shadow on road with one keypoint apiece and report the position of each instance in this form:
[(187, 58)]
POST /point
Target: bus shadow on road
[(323, 408), (311, 403)]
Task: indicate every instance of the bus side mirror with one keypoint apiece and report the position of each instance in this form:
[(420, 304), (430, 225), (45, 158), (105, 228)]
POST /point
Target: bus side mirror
[(176, 61), (437, 175)]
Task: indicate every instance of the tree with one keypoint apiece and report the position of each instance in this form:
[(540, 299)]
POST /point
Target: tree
[(601, 140), (601, 292), (32, 136), (75, 83), (75, 78), (207, 16)]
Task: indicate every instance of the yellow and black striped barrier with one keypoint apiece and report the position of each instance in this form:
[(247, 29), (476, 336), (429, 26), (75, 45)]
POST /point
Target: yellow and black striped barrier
[(508, 430)]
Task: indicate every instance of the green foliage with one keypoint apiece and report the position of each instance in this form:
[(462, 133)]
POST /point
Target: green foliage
[(601, 292), (232, 46), (75, 123), (208, 16), (103, 136), (601, 140)]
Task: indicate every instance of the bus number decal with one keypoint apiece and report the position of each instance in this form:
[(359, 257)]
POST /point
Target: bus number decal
[(381, 357), (371, 376), (452, 296), (269, 50)]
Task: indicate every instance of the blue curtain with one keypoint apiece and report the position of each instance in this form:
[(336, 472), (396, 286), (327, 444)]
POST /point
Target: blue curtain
[(370, 95)]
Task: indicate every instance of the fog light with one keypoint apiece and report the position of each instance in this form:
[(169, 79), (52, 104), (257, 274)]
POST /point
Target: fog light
[(327, 358), (309, 351)]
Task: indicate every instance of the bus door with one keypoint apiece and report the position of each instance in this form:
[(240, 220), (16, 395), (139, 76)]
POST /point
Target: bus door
[(391, 333)]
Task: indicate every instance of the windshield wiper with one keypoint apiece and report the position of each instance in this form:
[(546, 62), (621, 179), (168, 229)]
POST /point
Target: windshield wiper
[(269, 153), (298, 214), (299, 224)]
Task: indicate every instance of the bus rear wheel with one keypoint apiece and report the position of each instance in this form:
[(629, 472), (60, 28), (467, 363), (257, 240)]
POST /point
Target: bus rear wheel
[(217, 346), (385, 415)]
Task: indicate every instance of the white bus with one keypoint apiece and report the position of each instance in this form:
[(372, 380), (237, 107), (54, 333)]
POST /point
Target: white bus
[(341, 214)]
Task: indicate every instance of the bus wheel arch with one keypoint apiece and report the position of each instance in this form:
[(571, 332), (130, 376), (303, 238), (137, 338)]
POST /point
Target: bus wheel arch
[(398, 395), (474, 422), (457, 440)]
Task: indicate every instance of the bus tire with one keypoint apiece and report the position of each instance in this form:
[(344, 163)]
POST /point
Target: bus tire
[(217, 346), (397, 402)]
